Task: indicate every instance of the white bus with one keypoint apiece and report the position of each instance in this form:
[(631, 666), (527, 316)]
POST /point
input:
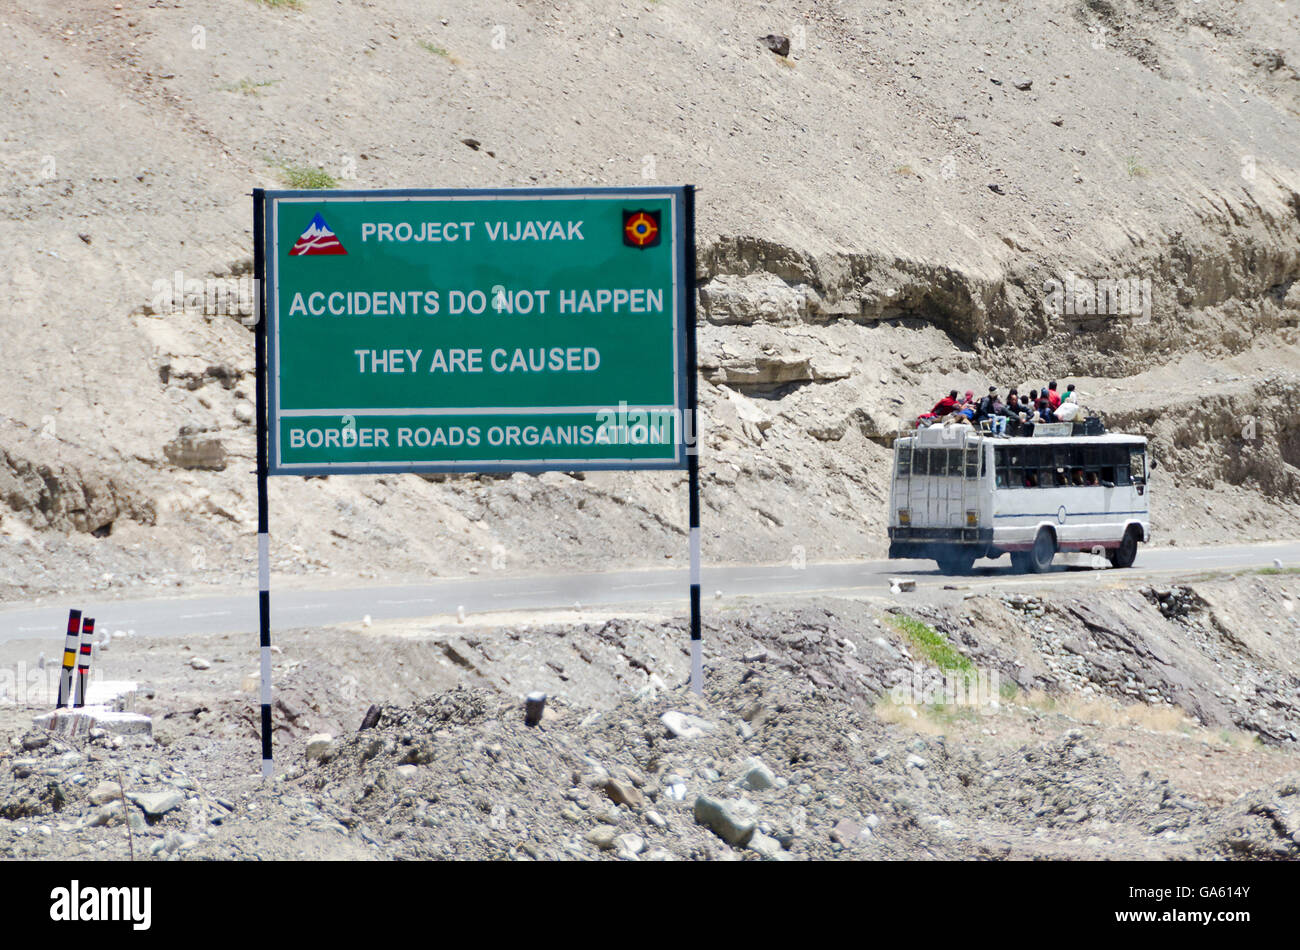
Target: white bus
[(958, 494)]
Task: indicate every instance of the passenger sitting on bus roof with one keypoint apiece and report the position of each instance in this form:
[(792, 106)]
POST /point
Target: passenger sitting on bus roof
[(967, 408), (946, 405), (1044, 407), (996, 411), (1052, 396)]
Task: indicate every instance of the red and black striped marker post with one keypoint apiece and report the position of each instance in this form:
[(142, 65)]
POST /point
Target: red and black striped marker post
[(83, 661), (69, 657)]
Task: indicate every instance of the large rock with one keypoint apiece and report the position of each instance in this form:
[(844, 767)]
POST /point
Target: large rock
[(753, 298), (156, 804), (196, 450), (729, 820), (79, 722)]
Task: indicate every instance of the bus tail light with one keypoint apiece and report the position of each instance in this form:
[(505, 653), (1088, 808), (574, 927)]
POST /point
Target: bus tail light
[(972, 517), (904, 516)]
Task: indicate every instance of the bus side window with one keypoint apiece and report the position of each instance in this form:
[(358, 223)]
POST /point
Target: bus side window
[(955, 461), (904, 461), (973, 454), (1108, 458), (1137, 466)]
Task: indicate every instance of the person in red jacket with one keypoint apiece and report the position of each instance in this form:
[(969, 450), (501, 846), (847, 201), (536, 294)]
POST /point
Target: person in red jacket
[(946, 405), (1053, 397)]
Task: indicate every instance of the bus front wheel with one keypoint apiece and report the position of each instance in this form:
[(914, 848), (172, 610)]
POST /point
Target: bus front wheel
[(1126, 553), (1041, 554)]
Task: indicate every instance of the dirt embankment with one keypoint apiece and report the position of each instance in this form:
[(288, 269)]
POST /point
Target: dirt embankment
[(1130, 723)]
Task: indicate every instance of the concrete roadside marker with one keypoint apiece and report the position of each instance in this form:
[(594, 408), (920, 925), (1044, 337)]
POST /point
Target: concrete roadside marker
[(70, 643), (83, 661), (534, 707)]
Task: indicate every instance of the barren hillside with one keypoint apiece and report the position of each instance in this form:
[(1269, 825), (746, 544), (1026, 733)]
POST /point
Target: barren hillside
[(884, 215)]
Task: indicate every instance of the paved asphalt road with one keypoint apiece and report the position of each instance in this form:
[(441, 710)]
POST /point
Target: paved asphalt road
[(223, 613)]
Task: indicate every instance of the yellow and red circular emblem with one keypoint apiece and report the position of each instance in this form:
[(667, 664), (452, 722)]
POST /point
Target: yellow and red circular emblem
[(640, 229)]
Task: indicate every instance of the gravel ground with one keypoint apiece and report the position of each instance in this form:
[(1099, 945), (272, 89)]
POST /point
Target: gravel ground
[(805, 745)]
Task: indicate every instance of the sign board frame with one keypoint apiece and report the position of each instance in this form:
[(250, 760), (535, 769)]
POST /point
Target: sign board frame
[(682, 300), (686, 393)]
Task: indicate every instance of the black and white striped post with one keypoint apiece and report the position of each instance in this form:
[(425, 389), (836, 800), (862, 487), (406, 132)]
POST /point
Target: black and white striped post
[(70, 642), (693, 446), (263, 520), (83, 661)]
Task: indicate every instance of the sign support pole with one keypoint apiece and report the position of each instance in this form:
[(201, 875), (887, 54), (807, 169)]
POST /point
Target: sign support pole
[(693, 445), (263, 520)]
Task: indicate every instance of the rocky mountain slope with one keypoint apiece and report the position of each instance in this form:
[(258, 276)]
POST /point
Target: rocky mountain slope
[(888, 212)]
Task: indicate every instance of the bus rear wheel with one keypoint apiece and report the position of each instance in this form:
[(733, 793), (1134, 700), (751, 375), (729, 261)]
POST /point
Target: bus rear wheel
[(1041, 554), (956, 562), (1126, 553)]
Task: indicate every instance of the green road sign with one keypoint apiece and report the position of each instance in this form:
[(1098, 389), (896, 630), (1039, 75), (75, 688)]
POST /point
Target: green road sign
[(476, 330)]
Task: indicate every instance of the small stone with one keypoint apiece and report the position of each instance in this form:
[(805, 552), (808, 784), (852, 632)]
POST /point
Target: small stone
[(725, 819), (757, 777), (768, 848), (776, 43), (684, 726), (656, 819), (602, 836), (915, 762), (848, 832), (407, 771), (624, 793), (901, 584), (629, 845), (199, 663), (320, 747), (1024, 85), (105, 792)]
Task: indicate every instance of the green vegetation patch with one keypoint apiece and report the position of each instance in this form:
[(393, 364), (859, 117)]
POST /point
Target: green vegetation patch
[(932, 644)]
